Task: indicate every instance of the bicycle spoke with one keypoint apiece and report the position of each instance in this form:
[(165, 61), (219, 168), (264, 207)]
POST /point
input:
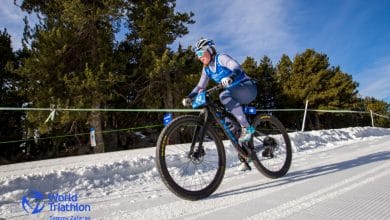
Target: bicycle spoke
[(272, 147), (191, 169)]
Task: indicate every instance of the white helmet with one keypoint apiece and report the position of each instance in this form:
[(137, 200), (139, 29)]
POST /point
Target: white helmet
[(206, 44)]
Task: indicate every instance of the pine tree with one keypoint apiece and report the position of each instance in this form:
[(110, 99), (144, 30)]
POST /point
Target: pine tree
[(325, 87), (70, 66), (250, 67), (173, 73), (11, 127), (264, 75), (379, 107), (283, 68), (153, 26), (267, 89), (283, 73)]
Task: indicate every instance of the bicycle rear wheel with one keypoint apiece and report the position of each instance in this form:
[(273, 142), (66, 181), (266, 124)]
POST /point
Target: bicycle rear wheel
[(271, 146), (189, 169)]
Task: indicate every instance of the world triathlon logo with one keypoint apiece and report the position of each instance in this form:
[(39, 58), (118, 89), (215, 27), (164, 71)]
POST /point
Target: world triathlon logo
[(59, 206), (33, 202)]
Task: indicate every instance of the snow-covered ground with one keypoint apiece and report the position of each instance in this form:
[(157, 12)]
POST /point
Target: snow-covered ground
[(126, 184)]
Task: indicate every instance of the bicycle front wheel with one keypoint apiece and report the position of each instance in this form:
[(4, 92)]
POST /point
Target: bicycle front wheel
[(190, 164), (271, 146)]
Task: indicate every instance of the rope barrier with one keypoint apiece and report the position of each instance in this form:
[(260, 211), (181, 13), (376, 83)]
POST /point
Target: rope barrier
[(311, 110), (53, 112), (383, 116), (173, 110), (337, 111), (280, 110), (81, 134), (321, 110), (98, 110)]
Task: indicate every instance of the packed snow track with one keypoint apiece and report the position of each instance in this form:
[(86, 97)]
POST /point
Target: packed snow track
[(335, 174)]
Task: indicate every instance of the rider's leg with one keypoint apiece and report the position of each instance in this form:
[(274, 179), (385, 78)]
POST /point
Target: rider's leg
[(233, 98), (234, 107)]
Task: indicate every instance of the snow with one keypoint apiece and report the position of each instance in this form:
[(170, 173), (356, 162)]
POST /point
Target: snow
[(121, 180)]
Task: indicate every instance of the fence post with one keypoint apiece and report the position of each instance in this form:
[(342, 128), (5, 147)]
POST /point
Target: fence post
[(304, 116), (372, 119)]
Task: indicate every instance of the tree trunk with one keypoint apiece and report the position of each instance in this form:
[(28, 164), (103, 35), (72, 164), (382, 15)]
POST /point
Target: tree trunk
[(168, 99), (95, 121), (317, 124)]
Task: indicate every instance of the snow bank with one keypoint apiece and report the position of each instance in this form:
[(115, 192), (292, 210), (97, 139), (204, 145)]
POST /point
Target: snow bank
[(333, 137), (110, 172)]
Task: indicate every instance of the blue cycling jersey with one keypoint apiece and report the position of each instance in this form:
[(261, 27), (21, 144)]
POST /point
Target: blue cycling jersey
[(222, 66), (221, 71), (234, 96)]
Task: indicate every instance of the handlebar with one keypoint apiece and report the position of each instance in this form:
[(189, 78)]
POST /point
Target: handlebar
[(188, 101), (215, 88)]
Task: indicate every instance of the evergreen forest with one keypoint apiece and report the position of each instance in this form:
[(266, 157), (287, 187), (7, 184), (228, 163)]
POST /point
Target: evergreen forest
[(70, 59)]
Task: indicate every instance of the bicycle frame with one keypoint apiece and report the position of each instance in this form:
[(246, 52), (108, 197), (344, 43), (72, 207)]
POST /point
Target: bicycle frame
[(201, 173), (210, 110)]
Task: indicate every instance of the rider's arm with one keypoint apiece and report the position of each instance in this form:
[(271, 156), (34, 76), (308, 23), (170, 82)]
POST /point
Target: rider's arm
[(203, 81), (228, 62)]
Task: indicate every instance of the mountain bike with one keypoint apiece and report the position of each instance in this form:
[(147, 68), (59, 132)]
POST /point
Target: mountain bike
[(190, 153)]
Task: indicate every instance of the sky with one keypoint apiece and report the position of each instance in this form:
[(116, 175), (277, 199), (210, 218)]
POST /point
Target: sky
[(353, 34)]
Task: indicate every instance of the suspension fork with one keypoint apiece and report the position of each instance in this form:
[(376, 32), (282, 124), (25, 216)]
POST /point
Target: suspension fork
[(200, 130)]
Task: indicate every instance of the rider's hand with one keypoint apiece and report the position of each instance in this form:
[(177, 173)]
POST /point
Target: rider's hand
[(187, 102), (226, 81)]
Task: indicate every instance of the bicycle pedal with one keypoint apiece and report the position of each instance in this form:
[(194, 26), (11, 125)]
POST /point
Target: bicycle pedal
[(247, 165), (244, 166)]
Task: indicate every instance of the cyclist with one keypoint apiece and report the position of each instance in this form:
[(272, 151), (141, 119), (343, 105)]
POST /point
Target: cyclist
[(239, 88)]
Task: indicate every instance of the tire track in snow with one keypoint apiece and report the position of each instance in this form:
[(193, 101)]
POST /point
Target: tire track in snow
[(187, 209), (330, 192), (193, 210)]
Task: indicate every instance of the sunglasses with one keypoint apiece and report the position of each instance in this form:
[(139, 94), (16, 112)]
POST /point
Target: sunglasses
[(199, 53)]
